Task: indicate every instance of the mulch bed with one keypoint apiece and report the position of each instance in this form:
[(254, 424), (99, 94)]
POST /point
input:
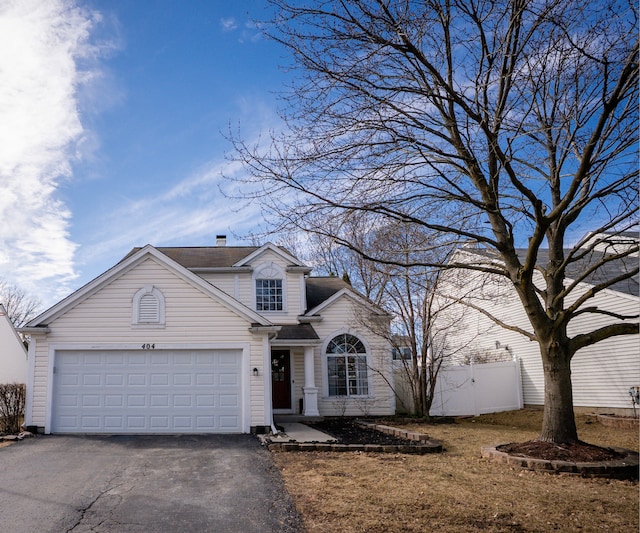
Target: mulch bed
[(347, 431), (578, 452)]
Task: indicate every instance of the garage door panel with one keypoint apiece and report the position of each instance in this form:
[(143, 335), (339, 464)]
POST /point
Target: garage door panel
[(229, 379), (147, 392), (183, 359), (205, 359), (205, 400), (136, 422), (115, 359), (137, 380), (114, 423), (92, 359), (159, 359), (181, 400), (228, 400), (113, 400), (68, 422), (114, 380), (91, 379), (205, 379), (159, 379), (91, 400), (136, 400), (228, 422), (91, 422), (70, 379), (68, 400), (182, 379)]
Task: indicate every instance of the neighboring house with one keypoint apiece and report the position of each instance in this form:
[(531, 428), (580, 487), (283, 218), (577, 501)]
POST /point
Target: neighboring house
[(204, 340), (601, 374), (13, 354)]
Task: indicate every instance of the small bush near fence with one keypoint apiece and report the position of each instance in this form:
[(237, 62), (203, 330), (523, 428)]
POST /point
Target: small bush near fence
[(12, 401)]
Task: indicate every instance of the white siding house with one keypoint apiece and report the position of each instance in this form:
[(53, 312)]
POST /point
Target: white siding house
[(601, 374), (200, 340), (13, 354)]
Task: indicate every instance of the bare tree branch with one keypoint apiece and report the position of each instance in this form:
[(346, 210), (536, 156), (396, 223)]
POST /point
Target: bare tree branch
[(508, 124)]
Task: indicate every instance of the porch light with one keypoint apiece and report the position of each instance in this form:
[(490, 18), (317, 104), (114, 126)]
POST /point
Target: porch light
[(255, 372)]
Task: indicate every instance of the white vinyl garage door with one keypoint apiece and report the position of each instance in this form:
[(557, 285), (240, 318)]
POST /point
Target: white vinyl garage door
[(147, 391)]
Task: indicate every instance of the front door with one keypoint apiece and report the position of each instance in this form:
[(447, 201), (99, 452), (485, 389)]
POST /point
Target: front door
[(281, 379)]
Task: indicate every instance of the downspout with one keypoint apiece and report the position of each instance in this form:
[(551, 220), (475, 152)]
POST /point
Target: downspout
[(274, 429), (272, 333)]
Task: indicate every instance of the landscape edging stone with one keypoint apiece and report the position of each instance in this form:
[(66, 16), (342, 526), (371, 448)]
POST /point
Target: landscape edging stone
[(625, 468)]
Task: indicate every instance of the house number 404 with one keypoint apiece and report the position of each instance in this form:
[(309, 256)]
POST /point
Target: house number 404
[(148, 346)]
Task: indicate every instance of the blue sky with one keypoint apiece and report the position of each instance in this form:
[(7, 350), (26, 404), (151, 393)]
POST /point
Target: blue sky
[(112, 115)]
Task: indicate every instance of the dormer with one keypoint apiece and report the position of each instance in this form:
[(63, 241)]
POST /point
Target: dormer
[(277, 282), (270, 288)]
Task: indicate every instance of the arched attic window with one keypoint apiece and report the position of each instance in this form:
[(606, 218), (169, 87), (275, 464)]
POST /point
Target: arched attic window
[(148, 307)]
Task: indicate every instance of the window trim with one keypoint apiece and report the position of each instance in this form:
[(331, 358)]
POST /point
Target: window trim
[(401, 354), (266, 299), (366, 356), (148, 290), (270, 271)]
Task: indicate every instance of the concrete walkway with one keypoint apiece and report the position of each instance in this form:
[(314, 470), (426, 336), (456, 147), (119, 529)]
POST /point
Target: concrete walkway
[(297, 432)]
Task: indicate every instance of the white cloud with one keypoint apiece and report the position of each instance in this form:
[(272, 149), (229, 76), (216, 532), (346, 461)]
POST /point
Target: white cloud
[(228, 24), (250, 31), (40, 131), (189, 213), (186, 212)]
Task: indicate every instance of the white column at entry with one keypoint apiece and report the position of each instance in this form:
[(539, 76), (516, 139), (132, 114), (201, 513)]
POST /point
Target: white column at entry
[(310, 390)]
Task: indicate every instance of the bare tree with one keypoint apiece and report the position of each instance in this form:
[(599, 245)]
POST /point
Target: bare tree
[(417, 339), (330, 257), (20, 306), (504, 123), (420, 322)]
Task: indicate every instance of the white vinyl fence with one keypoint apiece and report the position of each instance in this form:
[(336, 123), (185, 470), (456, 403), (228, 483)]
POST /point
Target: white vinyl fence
[(473, 389)]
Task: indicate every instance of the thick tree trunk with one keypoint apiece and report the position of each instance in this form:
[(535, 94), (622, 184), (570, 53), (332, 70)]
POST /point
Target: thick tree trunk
[(558, 424)]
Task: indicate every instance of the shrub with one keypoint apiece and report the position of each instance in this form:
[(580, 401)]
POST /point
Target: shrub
[(12, 401)]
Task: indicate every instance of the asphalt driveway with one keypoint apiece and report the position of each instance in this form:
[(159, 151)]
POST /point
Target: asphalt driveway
[(216, 483)]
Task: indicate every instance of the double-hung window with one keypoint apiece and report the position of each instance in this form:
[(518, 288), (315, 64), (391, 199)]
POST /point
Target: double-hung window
[(401, 354), (347, 366), (269, 295)]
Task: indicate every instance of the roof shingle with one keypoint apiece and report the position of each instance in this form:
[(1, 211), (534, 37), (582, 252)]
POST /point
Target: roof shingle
[(205, 256)]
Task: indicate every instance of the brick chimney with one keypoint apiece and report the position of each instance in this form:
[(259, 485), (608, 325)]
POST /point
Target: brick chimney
[(221, 240)]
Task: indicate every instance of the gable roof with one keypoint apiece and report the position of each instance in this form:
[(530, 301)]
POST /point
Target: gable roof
[(129, 262), (609, 270), (297, 332), (221, 257), (324, 291), (4, 318), (276, 249), (321, 288), (606, 271), (194, 257)]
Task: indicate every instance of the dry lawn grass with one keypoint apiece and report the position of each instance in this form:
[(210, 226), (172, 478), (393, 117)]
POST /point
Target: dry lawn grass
[(457, 490)]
